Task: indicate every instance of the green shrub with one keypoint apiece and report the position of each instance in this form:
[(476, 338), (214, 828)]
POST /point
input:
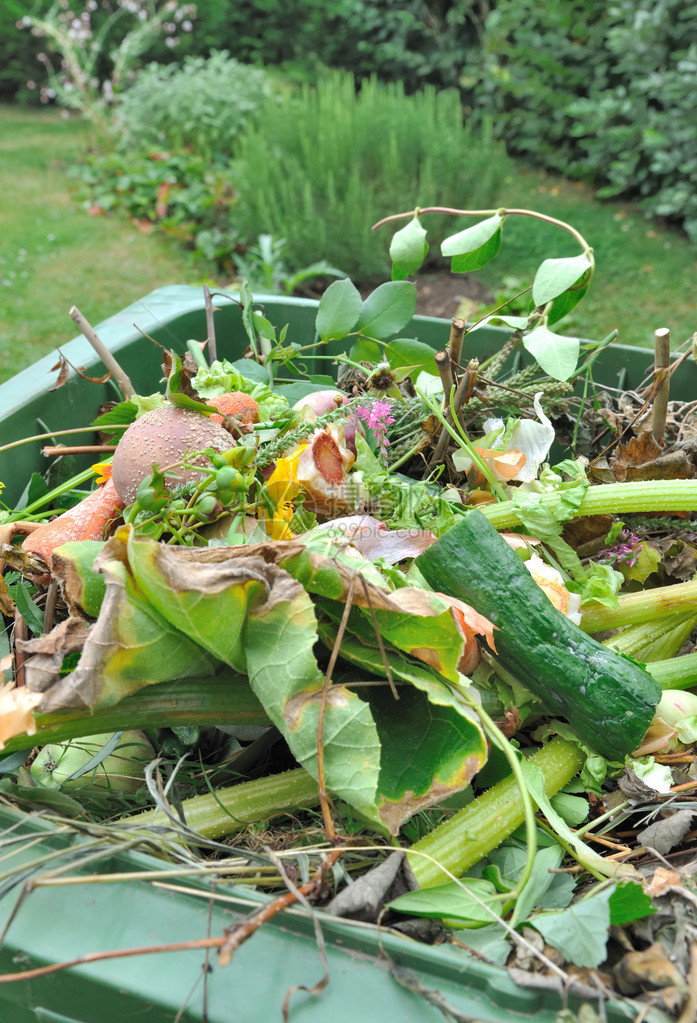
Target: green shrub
[(601, 91), (537, 61), (319, 166), (201, 105), (183, 195), (416, 42), (639, 135)]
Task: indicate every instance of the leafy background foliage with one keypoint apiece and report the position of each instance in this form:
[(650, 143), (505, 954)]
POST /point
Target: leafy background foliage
[(604, 92), (200, 104), (320, 165)]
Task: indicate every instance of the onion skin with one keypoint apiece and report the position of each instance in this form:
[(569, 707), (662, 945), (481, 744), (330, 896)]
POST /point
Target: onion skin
[(676, 704), (237, 404), (319, 403), (162, 437)]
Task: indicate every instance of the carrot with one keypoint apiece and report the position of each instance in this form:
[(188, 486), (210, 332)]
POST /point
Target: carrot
[(86, 521), (236, 404)]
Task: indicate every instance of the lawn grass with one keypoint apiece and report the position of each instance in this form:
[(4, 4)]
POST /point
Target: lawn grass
[(52, 254)]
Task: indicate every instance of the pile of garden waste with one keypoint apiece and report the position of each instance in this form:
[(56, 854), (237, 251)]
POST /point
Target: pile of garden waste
[(416, 635)]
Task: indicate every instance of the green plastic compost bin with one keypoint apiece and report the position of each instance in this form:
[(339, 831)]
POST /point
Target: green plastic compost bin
[(372, 975)]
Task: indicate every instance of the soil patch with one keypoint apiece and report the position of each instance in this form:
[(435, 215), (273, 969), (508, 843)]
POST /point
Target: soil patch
[(445, 295)]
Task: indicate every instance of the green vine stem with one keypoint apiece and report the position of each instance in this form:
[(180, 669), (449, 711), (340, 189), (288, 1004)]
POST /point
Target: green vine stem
[(501, 212), (460, 842)]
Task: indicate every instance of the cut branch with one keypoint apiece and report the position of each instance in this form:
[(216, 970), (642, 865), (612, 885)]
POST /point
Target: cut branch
[(121, 378), (661, 382)]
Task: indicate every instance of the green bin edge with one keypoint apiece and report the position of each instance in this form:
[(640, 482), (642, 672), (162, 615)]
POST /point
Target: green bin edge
[(55, 923)]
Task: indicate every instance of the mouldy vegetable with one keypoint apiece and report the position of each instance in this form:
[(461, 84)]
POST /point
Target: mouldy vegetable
[(123, 770), (163, 437), (608, 699)]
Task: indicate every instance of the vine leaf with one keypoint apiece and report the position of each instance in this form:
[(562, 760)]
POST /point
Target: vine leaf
[(474, 247), (408, 249), (555, 276), (556, 354), (388, 309)]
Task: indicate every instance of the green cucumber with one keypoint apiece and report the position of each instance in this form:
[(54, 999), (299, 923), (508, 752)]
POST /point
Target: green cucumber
[(609, 700)]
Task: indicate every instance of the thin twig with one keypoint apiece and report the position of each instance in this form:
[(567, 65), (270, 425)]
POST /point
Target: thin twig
[(79, 449), (329, 828), (457, 333), (50, 607), (21, 632), (462, 394), (243, 931), (378, 636), (210, 326), (121, 378), (443, 364)]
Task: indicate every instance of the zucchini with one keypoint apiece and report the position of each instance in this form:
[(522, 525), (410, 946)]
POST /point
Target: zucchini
[(609, 700)]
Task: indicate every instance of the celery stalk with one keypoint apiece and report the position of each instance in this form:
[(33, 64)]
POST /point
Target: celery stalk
[(664, 496), (644, 606), (654, 641), (214, 700), (460, 842), (231, 809), (675, 672)]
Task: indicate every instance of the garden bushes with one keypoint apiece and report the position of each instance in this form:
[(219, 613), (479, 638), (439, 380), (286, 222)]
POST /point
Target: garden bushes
[(320, 165), (601, 91), (200, 104)]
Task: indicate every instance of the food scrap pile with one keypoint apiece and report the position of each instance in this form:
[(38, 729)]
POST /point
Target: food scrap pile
[(395, 599)]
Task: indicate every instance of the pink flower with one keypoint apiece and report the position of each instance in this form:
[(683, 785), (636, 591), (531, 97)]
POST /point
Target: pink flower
[(377, 416)]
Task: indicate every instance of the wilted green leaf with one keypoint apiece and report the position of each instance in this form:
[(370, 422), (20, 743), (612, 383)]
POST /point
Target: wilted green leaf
[(447, 746), (338, 311), (457, 900), (445, 751), (556, 355), (130, 646), (202, 591), (580, 932), (175, 393), (555, 276), (284, 675), (408, 249), (474, 247), (388, 309), (253, 615), (83, 588)]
